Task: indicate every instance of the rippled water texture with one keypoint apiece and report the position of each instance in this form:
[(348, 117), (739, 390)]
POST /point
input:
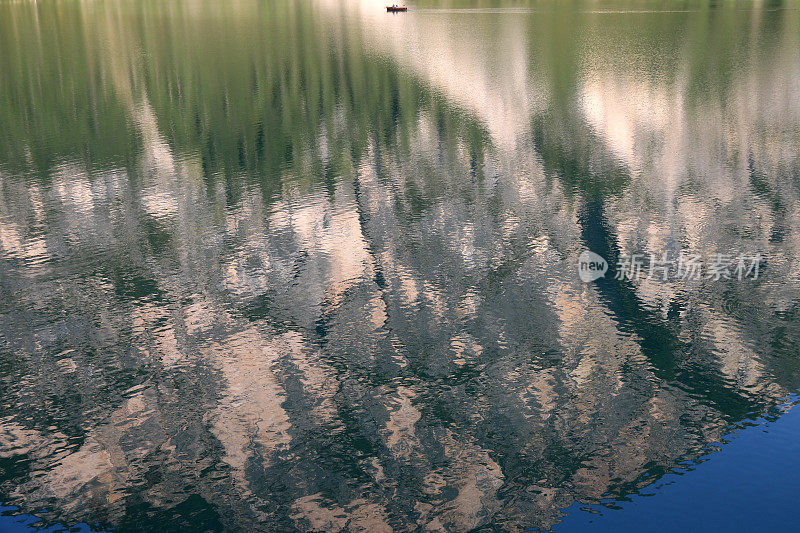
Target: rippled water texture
[(274, 265)]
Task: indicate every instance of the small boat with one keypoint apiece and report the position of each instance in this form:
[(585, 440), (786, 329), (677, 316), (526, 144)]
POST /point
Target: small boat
[(396, 9)]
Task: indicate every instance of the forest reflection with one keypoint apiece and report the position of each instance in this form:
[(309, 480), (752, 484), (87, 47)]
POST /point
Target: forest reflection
[(274, 264)]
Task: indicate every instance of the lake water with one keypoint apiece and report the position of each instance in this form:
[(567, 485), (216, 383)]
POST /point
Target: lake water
[(286, 265)]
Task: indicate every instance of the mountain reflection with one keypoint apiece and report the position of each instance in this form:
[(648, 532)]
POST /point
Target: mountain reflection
[(275, 265)]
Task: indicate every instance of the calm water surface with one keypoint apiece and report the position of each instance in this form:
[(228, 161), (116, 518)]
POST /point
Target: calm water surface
[(278, 265)]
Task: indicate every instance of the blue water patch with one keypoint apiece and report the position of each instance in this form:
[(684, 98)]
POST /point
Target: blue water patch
[(751, 484), (12, 522)]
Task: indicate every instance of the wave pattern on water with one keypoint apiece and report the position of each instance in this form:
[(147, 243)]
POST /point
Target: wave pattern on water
[(306, 266)]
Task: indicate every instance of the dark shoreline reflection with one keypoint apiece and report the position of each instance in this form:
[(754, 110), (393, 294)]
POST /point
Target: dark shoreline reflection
[(277, 265)]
